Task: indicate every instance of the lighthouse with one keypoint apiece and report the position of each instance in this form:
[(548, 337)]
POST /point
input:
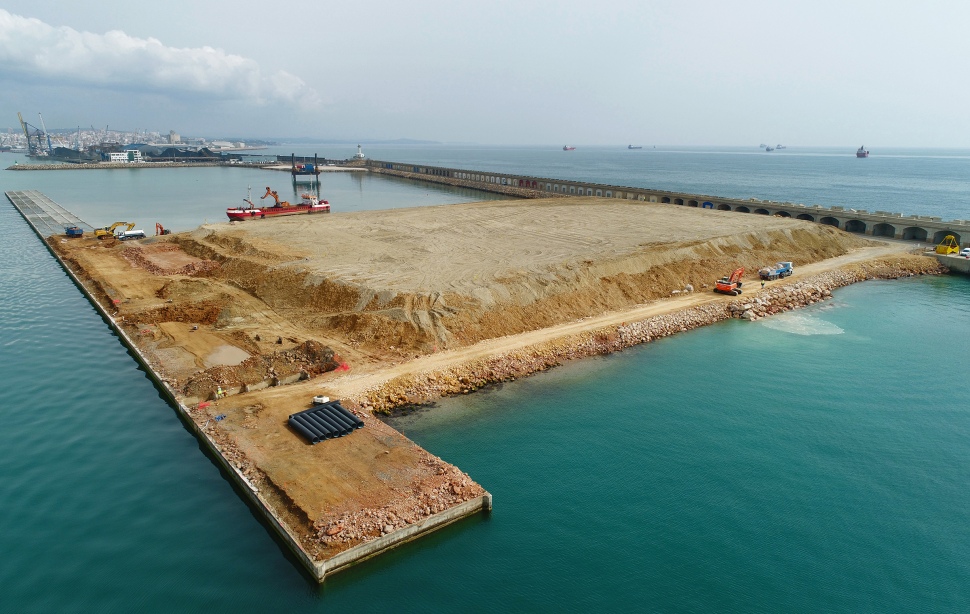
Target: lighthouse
[(359, 155)]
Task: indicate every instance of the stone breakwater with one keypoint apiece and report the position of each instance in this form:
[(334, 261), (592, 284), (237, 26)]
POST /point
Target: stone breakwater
[(507, 190), (422, 388)]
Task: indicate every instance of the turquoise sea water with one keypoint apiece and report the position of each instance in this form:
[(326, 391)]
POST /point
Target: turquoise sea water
[(815, 461)]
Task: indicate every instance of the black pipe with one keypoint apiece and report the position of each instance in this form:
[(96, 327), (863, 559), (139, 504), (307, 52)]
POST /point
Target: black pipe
[(302, 430), (320, 426), (335, 415), (320, 429), (323, 417), (357, 422)]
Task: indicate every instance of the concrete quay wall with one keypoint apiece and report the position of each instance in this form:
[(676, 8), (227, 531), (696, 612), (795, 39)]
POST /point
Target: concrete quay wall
[(917, 228), (956, 264)]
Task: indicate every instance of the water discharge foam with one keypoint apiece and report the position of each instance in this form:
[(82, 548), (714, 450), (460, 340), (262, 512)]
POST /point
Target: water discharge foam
[(801, 323)]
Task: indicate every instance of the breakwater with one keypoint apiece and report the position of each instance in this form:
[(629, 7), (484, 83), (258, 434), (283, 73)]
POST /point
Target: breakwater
[(422, 388), (916, 228)]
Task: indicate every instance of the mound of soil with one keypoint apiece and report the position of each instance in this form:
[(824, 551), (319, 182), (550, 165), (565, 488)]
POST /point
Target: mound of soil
[(414, 280)]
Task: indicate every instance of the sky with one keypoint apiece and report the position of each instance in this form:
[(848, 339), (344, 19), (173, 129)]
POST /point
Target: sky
[(524, 72)]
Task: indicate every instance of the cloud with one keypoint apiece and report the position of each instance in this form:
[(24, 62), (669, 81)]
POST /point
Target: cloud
[(36, 51)]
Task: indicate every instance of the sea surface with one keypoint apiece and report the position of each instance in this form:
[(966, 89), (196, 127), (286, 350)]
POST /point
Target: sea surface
[(816, 461)]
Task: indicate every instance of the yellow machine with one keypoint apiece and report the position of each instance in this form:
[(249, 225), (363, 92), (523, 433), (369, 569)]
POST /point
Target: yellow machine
[(109, 231), (948, 245)]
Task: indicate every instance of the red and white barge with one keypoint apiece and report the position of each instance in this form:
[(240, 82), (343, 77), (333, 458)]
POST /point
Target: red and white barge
[(309, 204)]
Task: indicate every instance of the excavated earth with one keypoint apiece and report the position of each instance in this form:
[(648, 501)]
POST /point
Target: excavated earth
[(352, 304)]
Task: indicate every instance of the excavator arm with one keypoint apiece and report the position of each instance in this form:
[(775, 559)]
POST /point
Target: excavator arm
[(276, 197), (736, 275), (109, 231)]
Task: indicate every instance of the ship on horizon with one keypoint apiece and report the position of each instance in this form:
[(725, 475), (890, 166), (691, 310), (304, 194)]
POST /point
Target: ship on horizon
[(634, 146), (862, 152), (568, 148)]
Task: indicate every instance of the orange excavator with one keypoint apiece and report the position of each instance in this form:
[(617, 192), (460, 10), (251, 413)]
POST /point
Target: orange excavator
[(161, 230), (730, 285), (276, 197)]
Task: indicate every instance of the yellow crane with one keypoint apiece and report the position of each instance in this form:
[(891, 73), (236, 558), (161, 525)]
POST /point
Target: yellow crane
[(948, 245), (109, 231)]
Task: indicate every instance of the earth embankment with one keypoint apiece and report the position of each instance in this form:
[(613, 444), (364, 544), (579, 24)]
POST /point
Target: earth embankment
[(415, 280)]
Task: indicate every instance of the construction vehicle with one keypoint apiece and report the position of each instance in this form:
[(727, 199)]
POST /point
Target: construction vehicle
[(127, 235), (276, 197), (161, 230), (948, 245), (109, 231), (74, 231), (781, 269), (730, 285)]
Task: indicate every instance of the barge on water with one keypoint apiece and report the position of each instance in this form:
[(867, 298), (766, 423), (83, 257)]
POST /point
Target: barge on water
[(309, 204)]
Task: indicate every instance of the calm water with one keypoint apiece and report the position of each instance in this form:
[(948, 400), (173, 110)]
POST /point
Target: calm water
[(817, 461)]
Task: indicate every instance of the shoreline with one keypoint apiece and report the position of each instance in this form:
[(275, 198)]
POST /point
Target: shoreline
[(421, 387)]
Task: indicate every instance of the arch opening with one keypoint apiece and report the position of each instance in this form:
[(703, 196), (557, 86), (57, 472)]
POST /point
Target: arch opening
[(941, 234), (914, 233), (884, 230)]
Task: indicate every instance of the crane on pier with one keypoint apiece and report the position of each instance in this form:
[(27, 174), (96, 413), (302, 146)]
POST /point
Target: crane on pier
[(50, 147), (35, 138)]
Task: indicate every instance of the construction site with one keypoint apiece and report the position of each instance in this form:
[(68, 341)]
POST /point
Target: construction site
[(248, 324)]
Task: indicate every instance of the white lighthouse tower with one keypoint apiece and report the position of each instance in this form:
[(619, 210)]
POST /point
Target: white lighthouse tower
[(359, 155)]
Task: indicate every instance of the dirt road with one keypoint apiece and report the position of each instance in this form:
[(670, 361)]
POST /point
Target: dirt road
[(352, 386)]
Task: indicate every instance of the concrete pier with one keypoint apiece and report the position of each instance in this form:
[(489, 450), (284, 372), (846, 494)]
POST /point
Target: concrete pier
[(47, 218)]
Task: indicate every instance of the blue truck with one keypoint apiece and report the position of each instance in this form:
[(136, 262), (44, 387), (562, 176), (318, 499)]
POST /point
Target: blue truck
[(779, 270)]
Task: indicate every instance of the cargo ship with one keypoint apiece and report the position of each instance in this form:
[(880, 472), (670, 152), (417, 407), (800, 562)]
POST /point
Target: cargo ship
[(568, 148), (634, 146), (862, 152), (309, 204)]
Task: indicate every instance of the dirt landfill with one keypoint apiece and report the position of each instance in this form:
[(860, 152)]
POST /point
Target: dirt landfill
[(247, 321)]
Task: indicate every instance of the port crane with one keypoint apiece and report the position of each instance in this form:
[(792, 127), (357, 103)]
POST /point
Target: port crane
[(35, 138)]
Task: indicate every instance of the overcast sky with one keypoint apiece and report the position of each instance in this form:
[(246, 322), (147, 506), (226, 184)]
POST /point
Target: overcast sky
[(502, 72)]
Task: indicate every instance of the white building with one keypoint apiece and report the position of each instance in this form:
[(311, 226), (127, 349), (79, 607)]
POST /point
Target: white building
[(129, 155)]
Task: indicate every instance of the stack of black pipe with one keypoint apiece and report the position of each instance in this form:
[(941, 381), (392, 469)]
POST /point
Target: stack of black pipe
[(325, 421)]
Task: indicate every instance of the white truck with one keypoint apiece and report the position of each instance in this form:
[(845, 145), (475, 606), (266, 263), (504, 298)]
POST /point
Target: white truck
[(127, 235)]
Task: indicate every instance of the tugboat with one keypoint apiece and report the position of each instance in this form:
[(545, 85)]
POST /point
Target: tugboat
[(862, 152), (568, 148), (769, 148), (310, 204)]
